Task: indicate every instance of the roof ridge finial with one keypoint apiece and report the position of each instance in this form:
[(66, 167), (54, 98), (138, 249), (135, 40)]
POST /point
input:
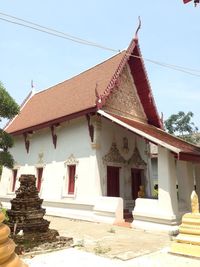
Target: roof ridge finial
[(138, 28), (33, 91)]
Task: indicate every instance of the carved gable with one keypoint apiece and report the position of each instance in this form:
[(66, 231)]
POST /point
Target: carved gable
[(113, 155), (124, 100), (136, 160)]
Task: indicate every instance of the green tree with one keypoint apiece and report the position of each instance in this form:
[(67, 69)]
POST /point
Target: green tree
[(8, 109), (181, 125)]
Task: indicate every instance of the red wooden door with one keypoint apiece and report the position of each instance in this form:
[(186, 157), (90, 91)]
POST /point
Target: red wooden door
[(136, 175), (112, 181)]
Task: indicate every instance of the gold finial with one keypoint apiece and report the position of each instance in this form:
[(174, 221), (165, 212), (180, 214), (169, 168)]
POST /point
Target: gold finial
[(194, 202)]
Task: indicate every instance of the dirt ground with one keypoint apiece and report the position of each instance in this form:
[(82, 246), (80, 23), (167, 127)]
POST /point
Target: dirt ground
[(98, 244), (109, 240)]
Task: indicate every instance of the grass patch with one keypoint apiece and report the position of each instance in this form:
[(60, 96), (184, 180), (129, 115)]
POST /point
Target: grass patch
[(79, 244), (99, 250), (4, 210), (112, 230)]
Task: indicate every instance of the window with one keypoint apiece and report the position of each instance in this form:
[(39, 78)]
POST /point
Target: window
[(14, 179), (39, 178), (71, 180)]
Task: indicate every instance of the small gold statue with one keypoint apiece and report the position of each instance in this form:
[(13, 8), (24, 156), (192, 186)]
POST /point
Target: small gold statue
[(141, 192), (194, 202)]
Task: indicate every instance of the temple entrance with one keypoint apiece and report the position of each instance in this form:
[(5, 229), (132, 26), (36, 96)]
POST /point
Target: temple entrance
[(136, 181), (113, 181)]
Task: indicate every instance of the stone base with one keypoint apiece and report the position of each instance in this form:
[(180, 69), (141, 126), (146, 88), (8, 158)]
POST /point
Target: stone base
[(30, 240), (188, 239), (155, 226), (185, 249), (148, 215)]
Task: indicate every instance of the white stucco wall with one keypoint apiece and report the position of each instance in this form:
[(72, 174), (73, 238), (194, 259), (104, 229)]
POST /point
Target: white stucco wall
[(73, 138), (91, 172), (110, 133)]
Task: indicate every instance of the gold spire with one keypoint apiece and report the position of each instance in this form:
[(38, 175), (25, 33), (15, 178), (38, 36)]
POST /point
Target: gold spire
[(194, 202), (188, 240)]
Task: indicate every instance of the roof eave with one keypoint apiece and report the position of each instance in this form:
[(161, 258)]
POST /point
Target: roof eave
[(55, 121), (21, 107), (189, 157), (140, 132)]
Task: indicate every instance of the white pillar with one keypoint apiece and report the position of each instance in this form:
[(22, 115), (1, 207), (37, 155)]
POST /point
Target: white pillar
[(185, 184), (149, 174), (197, 179), (167, 195)]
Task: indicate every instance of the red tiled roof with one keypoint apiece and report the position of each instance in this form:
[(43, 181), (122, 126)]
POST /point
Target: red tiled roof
[(187, 151), (69, 97), (78, 95)]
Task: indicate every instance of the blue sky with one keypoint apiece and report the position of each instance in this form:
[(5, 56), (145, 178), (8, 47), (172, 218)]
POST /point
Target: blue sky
[(170, 33)]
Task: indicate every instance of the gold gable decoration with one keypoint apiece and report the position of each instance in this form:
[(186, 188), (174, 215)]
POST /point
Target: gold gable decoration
[(136, 159), (124, 100), (114, 155)]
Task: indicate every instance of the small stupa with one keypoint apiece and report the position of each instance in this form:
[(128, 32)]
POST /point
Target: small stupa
[(8, 257), (26, 215), (188, 240)]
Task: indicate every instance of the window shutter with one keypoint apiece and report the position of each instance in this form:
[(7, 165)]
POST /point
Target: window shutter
[(71, 173)]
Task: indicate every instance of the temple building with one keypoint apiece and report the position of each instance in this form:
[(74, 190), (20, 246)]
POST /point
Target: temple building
[(88, 141)]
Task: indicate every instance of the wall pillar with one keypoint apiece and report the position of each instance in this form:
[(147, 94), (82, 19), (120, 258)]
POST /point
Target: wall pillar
[(185, 184), (160, 214), (197, 179), (167, 195)]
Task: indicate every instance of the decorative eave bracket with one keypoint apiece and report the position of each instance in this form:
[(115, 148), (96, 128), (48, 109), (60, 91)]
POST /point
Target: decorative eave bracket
[(90, 127), (27, 137), (54, 134)]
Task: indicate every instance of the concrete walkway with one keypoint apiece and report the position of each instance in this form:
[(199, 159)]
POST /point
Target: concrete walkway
[(97, 244)]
